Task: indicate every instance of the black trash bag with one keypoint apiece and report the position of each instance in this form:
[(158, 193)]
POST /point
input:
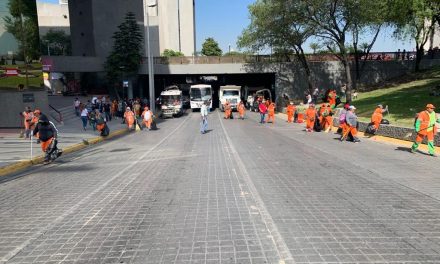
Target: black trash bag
[(371, 129), (153, 125), (231, 116), (385, 122), (317, 125)]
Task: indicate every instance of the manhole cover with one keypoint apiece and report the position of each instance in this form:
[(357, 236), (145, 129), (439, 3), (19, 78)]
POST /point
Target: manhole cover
[(120, 150)]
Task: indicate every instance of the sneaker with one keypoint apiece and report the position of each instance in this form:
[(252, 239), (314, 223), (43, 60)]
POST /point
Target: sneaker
[(356, 140), (413, 151), (433, 155)]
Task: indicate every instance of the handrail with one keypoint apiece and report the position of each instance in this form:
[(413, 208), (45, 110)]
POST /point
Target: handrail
[(59, 113)]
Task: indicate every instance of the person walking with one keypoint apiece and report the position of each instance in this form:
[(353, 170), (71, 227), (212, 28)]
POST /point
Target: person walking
[(27, 119), (310, 118), (84, 116), (147, 117), (271, 113), (241, 110), (290, 112), (263, 109), (425, 126), (76, 105), (228, 110), (204, 117), (129, 118)]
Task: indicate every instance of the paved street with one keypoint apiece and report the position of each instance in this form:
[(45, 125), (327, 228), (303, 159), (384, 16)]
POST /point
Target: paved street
[(242, 193)]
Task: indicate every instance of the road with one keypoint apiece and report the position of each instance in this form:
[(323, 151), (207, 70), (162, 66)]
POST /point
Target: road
[(242, 193)]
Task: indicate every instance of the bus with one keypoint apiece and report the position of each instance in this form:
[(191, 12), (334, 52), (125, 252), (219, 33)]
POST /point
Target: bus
[(198, 94)]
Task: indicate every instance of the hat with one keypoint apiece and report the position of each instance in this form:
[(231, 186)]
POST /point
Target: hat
[(430, 106), (379, 105), (128, 108), (352, 107), (291, 103), (346, 106)]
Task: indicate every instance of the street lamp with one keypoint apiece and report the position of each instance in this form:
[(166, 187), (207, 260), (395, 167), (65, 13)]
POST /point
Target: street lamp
[(147, 4)]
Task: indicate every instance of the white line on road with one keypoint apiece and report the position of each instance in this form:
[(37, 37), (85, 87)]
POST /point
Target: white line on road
[(281, 246), (60, 218)]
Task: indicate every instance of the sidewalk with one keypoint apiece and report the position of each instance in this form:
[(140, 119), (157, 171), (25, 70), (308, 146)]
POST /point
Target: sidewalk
[(71, 133)]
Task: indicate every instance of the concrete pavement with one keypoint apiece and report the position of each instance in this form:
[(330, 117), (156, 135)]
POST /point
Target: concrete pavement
[(242, 193)]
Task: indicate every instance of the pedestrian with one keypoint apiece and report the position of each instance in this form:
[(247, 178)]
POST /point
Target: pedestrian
[(27, 119), (84, 116), (425, 126), (204, 117), (76, 104), (147, 117), (271, 113), (92, 118), (129, 118), (48, 134), (107, 111), (228, 110), (315, 95), (310, 117), (352, 123), (342, 124), (241, 110), (263, 109), (100, 121), (290, 112)]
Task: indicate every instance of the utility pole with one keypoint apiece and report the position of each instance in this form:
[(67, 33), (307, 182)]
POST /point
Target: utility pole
[(24, 42)]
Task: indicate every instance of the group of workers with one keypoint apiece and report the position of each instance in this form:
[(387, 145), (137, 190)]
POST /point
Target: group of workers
[(38, 125), (228, 108), (135, 119)]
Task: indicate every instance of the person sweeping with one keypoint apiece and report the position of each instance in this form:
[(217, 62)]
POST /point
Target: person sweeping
[(425, 126)]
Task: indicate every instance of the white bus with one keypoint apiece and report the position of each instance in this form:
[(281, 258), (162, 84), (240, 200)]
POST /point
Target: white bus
[(198, 94)]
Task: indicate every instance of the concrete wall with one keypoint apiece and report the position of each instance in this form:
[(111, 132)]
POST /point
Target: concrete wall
[(11, 104), (53, 16)]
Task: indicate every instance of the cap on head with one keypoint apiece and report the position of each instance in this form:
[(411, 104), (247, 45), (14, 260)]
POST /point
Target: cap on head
[(430, 106), (346, 106), (380, 106), (128, 108), (352, 107)]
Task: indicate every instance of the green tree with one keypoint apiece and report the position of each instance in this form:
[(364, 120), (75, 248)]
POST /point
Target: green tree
[(126, 56), (210, 48), (314, 46), (172, 53), (281, 26), (416, 22), (23, 25), (57, 43)]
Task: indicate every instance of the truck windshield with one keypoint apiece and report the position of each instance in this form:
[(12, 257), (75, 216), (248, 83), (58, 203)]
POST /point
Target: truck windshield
[(171, 99), (199, 94), (230, 93)]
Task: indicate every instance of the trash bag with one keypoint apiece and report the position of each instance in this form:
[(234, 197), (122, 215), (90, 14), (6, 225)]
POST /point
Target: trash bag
[(371, 129), (153, 125), (317, 125), (385, 122)]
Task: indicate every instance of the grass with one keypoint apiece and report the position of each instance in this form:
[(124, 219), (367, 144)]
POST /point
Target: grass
[(404, 100), (12, 82)]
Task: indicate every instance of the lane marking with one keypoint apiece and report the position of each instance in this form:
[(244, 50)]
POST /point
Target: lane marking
[(60, 218), (278, 241)]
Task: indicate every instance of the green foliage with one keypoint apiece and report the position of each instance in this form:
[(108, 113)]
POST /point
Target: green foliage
[(126, 55), (210, 48), (172, 53), (23, 25), (233, 53), (58, 42), (314, 46)]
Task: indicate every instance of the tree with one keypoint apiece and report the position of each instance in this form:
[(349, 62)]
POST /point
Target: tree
[(57, 43), (417, 22), (210, 48), (172, 53), (314, 46), (126, 56), (23, 25), (278, 24)]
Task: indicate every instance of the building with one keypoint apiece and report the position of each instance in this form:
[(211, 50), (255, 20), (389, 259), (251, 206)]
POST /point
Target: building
[(53, 17), (8, 44), (93, 23)]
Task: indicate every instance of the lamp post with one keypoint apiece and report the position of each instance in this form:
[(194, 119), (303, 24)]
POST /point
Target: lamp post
[(149, 3)]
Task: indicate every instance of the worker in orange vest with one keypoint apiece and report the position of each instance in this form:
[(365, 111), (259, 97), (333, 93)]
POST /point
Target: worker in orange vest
[(290, 112), (129, 118), (228, 110), (332, 98), (271, 113), (326, 119), (147, 116), (310, 117), (377, 116), (27, 119), (241, 109), (425, 126)]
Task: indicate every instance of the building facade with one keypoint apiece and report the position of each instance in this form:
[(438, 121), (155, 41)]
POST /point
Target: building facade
[(53, 17)]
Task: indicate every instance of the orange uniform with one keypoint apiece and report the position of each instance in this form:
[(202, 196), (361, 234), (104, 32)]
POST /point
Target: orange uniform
[(376, 118), (332, 98), (271, 113), (310, 118), (241, 110), (290, 112), (129, 118), (149, 115), (325, 118), (228, 110)]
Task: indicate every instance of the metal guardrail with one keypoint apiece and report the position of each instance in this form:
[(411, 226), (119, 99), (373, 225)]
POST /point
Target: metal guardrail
[(60, 115)]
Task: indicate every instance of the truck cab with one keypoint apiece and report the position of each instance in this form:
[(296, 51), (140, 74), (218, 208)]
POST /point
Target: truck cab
[(231, 93), (171, 101)]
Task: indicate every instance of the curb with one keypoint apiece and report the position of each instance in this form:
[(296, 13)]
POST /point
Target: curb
[(18, 166)]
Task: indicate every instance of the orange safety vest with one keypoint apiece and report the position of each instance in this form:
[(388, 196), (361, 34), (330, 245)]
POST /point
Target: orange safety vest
[(424, 124)]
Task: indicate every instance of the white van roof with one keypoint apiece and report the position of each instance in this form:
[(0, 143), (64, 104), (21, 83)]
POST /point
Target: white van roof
[(232, 87), (201, 86)]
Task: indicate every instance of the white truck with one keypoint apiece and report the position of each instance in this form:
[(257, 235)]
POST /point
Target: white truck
[(200, 93), (171, 101), (231, 93)]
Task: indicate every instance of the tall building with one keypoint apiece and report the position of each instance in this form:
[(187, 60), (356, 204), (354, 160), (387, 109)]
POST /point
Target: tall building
[(93, 23), (8, 44)]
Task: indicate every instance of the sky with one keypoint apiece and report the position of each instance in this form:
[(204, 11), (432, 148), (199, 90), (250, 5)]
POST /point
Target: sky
[(224, 20)]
